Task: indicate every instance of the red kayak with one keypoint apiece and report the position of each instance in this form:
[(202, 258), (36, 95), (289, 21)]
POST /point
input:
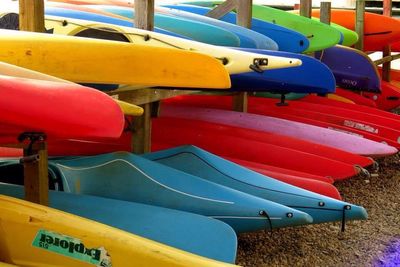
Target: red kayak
[(273, 139), (59, 110), (174, 132), (314, 114), (385, 128), (389, 98), (360, 108), (353, 96), (320, 187)]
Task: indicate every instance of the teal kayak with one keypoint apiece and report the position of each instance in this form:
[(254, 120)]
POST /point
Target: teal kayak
[(197, 31), (196, 161), (129, 177), (248, 38)]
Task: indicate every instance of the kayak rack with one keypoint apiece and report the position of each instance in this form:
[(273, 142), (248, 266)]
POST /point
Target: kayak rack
[(32, 19)]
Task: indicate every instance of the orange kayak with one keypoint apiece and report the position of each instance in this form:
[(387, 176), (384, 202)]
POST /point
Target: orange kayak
[(379, 30)]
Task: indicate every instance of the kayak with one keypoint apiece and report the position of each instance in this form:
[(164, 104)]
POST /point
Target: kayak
[(347, 142), (15, 71), (317, 184), (388, 99), (213, 168), (193, 30), (80, 59), (313, 185), (352, 68), (379, 30), (147, 182), (320, 35), (11, 22), (210, 238), (356, 98), (179, 132), (48, 103), (248, 38), (287, 40), (35, 235), (176, 116), (311, 77)]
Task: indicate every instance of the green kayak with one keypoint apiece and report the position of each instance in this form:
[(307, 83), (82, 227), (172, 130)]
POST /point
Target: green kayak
[(320, 35)]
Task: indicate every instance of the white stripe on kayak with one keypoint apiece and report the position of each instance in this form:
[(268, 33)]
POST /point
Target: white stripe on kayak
[(147, 176)]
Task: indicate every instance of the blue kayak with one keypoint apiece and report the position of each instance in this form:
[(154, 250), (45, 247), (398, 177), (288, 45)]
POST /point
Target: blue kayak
[(196, 161), (197, 31), (353, 69), (287, 40), (311, 77), (129, 177), (194, 233)]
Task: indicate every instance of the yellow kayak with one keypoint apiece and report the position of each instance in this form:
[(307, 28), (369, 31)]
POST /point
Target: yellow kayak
[(87, 60), (15, 71), (235, 61), (34, 235), (339, 98)]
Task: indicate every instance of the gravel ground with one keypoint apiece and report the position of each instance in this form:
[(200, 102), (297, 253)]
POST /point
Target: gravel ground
[(374, 242)]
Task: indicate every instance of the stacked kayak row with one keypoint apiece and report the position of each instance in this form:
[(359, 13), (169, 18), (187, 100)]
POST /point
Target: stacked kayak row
[(213, 173)]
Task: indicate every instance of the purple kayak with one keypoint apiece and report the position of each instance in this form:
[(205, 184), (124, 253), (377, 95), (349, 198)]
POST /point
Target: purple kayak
[(344, 141), (353, 69)]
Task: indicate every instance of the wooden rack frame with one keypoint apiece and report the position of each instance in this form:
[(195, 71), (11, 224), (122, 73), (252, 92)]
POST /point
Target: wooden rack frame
[(32, 19)]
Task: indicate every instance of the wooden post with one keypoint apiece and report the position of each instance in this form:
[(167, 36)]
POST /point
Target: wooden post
[(144, 19), (144, 14), (325, 12), (305, 8), (387, 51), (142, 131), (360, 9), (244, 16), (31, 15), (36, 179), (244, 13)]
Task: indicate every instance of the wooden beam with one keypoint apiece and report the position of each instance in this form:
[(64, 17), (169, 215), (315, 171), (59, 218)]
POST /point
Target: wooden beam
[(147, 95), (386, 59), (144, 14), (325, 12), (222, 9), (387, 51), (305, 8), (31, 15), (36, 179), (360, 17)]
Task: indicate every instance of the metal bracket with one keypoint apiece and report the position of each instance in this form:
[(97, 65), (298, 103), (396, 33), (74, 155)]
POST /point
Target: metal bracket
[(257, 63), (282, 103), (33, 137)]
